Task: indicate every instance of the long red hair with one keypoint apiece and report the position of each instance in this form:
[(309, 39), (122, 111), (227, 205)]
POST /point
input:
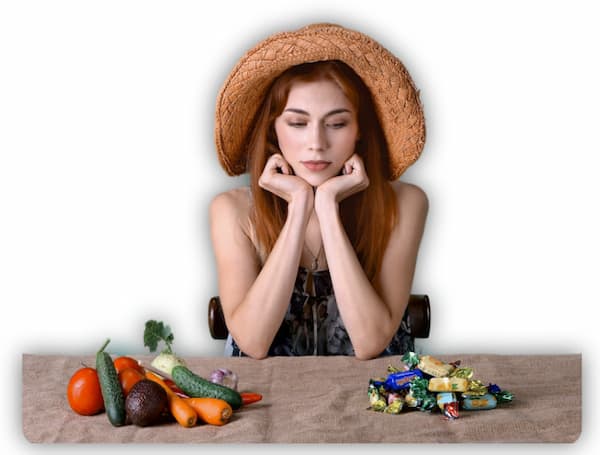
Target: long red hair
[(368, 216)]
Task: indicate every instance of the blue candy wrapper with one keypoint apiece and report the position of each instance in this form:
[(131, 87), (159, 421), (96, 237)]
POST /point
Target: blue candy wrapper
[(401, 380)]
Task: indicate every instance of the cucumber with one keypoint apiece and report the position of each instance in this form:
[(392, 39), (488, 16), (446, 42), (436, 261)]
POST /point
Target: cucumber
[(195, 386), (112, 394)]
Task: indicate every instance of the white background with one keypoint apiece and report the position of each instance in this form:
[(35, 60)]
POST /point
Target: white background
[(107, 167)]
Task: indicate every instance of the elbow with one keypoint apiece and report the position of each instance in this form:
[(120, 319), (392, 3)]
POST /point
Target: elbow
[(368, 351), (364, 355), (249, 343), (371, 337), (372, 346), (252, 349), (257, 354), (254, 352)]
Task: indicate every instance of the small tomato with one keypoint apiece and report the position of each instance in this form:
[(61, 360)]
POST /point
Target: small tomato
[(84, 393), (127, 362), (128, 378)]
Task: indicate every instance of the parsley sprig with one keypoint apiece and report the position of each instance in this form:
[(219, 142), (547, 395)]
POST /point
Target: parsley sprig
[(154, 333)]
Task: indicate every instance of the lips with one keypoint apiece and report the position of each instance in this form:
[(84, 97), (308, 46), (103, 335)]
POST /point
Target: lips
[(316, 166)]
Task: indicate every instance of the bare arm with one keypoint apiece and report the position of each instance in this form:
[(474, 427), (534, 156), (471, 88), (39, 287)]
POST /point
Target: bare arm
[(255, 299), (372, 319)]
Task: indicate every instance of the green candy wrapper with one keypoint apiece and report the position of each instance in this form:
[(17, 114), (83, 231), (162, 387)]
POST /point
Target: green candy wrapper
[(411, 360), (504, 397), (418, 390)]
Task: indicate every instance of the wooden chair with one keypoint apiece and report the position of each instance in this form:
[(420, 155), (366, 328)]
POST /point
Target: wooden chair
[(418, 312)]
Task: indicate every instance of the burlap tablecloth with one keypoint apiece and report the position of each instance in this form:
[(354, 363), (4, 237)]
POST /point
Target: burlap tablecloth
[(324, 399)]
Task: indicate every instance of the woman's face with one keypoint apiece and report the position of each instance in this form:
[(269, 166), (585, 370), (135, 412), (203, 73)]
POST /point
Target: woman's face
[(317, 130)]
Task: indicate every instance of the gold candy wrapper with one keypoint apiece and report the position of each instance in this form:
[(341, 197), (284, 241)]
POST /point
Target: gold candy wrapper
[(394, 407), (452, 384), (379, 405), (434, 367), (476, 388), (466, 373)]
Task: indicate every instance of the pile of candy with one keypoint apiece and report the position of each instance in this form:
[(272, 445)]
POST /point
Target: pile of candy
[(428, 384)]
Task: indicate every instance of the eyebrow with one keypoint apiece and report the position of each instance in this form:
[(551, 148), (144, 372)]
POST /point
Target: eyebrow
[(303, 112)]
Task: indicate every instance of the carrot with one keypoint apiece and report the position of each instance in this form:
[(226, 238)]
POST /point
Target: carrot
[(183, 412), (213, 411), (185, 415), (250, 397)]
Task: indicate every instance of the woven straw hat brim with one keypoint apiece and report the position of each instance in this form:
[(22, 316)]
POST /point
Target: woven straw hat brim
[(394, 94)]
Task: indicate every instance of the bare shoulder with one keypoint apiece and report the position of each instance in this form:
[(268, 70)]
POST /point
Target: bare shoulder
[(235, 202), (411, 197), (232, 208)]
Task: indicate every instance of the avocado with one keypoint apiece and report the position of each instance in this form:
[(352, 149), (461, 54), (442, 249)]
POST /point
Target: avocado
[(145, 403)]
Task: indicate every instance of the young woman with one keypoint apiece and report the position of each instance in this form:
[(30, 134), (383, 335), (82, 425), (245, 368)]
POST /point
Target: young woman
[(318, 255)]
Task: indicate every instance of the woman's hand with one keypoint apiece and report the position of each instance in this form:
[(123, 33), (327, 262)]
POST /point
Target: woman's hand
[(278, 178), (353, 180)]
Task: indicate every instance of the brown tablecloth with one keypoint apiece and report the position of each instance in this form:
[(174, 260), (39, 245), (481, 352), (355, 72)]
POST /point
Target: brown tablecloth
[(324, 399)]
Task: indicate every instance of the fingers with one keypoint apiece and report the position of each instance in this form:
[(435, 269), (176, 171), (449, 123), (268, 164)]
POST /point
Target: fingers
[(277, 164), (354, 166), (354, 163), (278, 178), (353, 179)]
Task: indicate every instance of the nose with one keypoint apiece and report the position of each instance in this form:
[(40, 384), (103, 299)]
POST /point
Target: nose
[(317, 140)]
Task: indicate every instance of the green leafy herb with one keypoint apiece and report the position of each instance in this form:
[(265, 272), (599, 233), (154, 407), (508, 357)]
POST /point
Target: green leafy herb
[(155, 332)]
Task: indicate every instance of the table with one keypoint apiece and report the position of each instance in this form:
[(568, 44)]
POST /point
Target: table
[(324, 400)]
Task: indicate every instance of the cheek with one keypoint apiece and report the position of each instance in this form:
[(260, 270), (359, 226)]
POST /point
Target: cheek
[(347, 146), (286, 141)]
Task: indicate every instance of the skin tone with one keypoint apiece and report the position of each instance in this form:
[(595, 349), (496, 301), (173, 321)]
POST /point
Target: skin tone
[(316, 170)]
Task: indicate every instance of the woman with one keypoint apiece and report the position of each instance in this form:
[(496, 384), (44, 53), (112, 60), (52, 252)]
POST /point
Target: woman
[(318, 255)]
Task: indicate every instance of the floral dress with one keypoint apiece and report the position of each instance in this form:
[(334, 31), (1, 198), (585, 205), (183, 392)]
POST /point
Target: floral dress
[(313, 325)]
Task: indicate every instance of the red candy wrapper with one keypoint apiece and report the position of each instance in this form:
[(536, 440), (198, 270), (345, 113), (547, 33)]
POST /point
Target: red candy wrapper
[(451, 410)]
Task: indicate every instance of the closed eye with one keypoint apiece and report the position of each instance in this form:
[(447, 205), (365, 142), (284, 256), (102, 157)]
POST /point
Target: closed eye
[(296, 124)]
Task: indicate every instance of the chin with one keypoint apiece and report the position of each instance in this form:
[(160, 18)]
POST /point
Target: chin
[(316, 178)]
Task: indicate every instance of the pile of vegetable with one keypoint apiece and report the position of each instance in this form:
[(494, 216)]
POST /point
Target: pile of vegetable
[(167, 389), (428, 384)]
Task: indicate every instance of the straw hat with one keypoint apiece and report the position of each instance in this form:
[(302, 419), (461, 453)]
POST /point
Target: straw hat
[(394, 94)]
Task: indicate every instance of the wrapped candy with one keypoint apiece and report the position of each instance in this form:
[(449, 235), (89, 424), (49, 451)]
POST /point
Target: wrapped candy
[(465, 373), (479, 403), (448, 384), (502, 396), (411, 360), (475, 388), (395, 405), (421, 395), (448, 404), (434, 367), (377, 400), (401, 380), (451, 410), (425, 382)]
